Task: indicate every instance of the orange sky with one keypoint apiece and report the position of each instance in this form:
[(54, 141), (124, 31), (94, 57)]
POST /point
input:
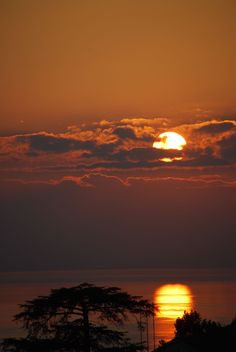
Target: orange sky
[(86, 88), (65, 61)]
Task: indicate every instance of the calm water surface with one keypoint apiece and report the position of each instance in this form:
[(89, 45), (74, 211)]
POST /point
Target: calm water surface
[(211, 292)]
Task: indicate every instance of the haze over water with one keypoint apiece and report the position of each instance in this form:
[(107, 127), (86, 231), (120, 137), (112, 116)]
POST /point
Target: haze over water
[(211, 292)]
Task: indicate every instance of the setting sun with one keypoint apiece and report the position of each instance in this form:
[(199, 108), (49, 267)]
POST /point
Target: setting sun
[(170, 140), (172, 300)]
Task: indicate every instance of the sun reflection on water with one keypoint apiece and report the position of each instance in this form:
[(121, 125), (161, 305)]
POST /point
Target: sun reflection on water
[(172, 300)]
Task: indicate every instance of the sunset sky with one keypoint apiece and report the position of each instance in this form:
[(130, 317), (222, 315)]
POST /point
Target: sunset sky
[(86, 89)]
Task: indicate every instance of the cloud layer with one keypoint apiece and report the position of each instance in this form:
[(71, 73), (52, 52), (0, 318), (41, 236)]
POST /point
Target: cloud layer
[(98, 195), (118, 146)]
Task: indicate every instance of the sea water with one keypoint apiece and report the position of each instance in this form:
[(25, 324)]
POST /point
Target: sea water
[(212, 292)]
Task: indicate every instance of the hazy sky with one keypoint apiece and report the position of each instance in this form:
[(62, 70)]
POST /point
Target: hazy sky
[(86, 88), (66, 60)]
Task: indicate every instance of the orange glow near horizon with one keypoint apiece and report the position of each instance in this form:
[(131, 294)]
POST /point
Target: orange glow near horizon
[(172, 300)]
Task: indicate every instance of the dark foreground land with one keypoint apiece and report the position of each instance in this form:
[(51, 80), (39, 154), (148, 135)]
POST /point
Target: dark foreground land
[(88, 318), (194, 334)]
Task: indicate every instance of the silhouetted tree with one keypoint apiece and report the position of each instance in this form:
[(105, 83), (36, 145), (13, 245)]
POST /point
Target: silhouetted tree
[(188, 325), (194, 333), (73, 317), (192, 325)]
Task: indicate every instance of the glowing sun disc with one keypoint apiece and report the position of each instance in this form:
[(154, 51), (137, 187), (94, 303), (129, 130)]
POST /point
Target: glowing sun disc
[(170, 140)]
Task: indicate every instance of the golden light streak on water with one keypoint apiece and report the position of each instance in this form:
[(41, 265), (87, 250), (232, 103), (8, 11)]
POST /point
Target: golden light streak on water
[(173, 300)]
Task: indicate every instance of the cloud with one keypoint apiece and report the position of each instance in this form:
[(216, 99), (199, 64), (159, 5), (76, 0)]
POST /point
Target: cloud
[(122, 145), (49, 143), (158, 122), (216, 127), (228, 148), (125, 132), (142, 154), (92, 180), (96, 179)]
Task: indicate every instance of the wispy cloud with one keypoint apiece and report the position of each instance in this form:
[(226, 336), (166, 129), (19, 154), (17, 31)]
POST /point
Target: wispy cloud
[(113, 146)]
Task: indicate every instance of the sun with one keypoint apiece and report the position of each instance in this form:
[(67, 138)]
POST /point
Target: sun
[(170, 140), (172, 300)]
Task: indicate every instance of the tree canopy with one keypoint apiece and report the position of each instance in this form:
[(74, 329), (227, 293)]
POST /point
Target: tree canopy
[(79, 318), (202, 334)]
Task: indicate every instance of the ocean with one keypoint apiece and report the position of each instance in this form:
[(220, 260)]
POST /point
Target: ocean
[(212, 292)]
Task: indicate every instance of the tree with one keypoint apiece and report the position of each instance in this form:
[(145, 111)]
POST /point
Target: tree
[(74, 317), (192, 325), (188, 325), (203, 334)]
